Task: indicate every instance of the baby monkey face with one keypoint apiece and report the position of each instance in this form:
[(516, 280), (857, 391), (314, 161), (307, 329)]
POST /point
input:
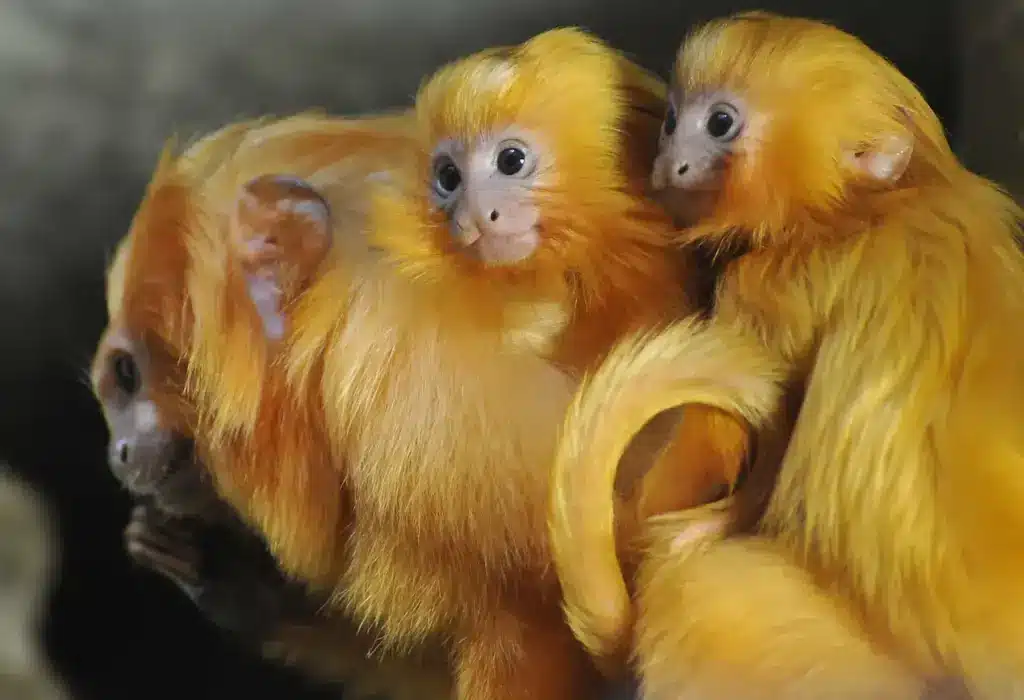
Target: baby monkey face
[(487, 190), (700, 133), (148, 452)]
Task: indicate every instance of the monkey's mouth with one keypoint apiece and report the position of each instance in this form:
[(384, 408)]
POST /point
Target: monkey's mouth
[(500, 250), (178, 482), (184, 487), (701, 178)]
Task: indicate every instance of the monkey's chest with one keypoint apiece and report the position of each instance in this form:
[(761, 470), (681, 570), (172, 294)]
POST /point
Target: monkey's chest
[(457, 463)]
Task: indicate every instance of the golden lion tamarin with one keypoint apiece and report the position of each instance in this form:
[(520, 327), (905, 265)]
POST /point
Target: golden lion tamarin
[(437, 349), (530, 213), (887, 544), (181, 529)]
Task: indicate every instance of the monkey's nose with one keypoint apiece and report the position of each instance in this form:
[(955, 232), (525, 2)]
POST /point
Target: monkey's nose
[(682, 169)]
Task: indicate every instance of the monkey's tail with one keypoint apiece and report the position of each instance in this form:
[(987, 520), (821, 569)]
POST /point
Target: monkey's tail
[(643, 376)]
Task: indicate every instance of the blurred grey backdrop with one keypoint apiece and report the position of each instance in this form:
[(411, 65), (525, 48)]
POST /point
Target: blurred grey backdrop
[(90, 89)]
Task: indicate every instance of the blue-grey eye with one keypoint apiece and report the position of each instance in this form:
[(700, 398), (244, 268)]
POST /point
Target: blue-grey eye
[(671, 121), (447, 177)]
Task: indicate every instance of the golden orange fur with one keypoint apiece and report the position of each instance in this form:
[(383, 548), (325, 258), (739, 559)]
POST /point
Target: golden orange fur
[(889, 549), (153, 318), (147, 299), (604, 266), (603, 270), (730, 373), (439, 384)]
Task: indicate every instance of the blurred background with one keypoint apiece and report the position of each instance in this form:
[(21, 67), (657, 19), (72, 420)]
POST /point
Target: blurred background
[(89, 91)]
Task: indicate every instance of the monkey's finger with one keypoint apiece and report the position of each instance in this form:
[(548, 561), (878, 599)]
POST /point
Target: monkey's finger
[(149, 522), (139, 536), (167, 555), (167, 527), (171, 531), (180, 570)]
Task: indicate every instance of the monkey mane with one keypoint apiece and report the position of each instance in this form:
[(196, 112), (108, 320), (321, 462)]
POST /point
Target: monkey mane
[(814, 92), (146, 279), (264, 427), (115, 277), (599, 115), (146, 282), (228, 351)]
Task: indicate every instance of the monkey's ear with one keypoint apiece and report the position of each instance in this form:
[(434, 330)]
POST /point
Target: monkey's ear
[(886, 160), (280, 232)]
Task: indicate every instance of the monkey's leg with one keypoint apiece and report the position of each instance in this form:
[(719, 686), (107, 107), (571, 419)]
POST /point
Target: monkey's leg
[(735, 619), (531, 656)]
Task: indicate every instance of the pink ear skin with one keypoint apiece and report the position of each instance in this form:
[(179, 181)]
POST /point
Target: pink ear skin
[(886, 161), (280, 232)]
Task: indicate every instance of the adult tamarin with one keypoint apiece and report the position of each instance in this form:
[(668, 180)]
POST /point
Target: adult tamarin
[(887, 536), (181, 528)]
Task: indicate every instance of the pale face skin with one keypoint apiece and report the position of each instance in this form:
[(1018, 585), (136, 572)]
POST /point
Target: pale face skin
[(149, 458), (486, 189), (699, 134), (703, 130)]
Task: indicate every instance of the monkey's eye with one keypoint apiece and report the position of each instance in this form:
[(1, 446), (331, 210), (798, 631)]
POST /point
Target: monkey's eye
[(671, 121), (511, 160), (126, 373), (514, 159), (447, 177), (723, 122)]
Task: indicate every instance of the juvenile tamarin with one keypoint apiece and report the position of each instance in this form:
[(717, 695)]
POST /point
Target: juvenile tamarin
[(181, 529), (440, 347), (529, 213), (888, 282)]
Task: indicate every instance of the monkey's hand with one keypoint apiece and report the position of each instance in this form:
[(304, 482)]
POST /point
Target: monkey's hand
[(164, 544), (224, 570)]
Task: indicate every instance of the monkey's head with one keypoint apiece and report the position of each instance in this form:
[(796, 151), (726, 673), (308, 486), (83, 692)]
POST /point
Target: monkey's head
[(140, 388), (775, 124), (138, 374), (531, 160)]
